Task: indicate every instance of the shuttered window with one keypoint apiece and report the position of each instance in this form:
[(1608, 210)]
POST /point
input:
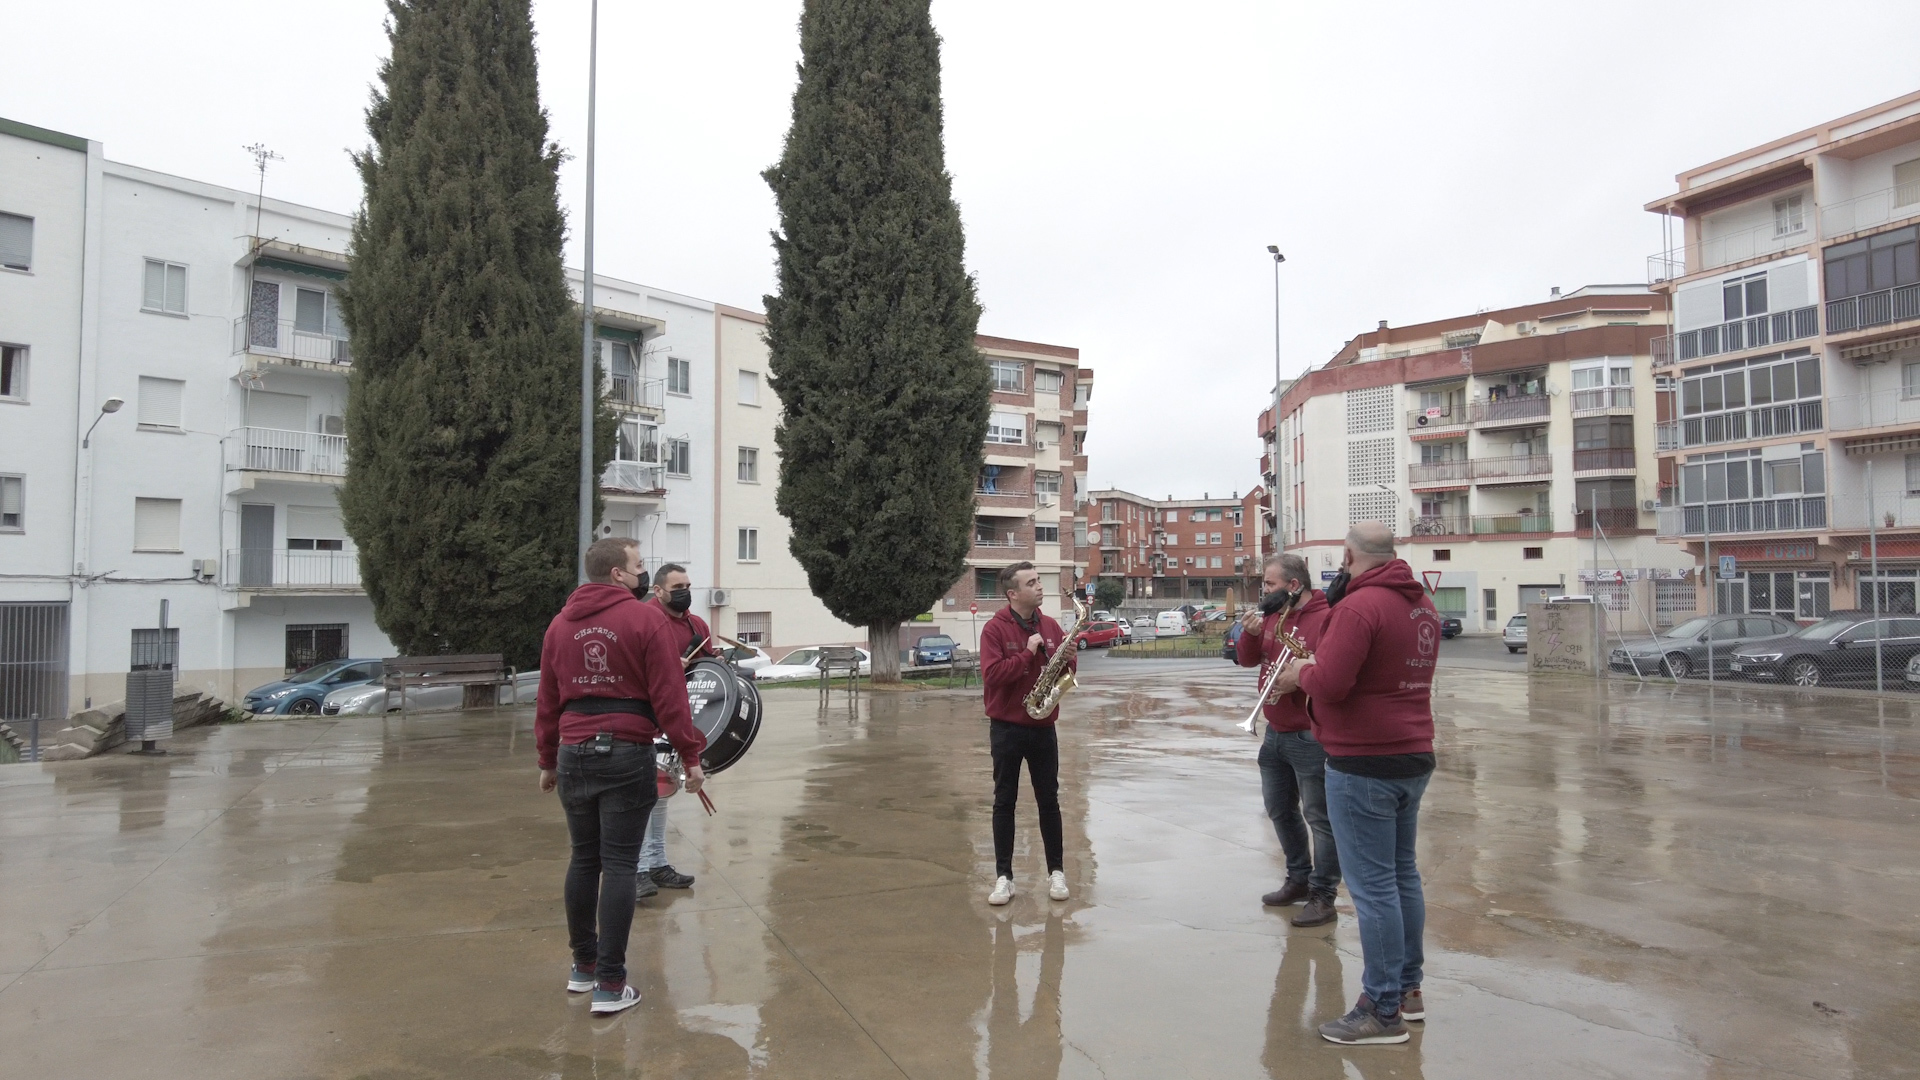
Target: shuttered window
[(160, 401), (166, 288), (156, 524), (12, 497), (16, 242)]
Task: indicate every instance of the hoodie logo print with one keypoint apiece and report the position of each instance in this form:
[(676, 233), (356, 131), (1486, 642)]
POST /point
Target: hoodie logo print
[(596, 656), (1425, 635)]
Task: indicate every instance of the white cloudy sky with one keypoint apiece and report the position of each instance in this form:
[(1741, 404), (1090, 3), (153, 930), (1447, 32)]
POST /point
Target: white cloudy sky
[(1121, 166)]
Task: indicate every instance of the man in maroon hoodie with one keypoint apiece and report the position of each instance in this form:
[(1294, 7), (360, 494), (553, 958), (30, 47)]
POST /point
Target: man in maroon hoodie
[(1014, 647), (673, 595), (1371, 688), (610, 682), (1293, 767)]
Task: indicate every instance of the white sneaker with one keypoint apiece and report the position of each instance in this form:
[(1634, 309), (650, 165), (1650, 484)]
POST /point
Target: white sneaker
[(1057, 884), (1002, 892)]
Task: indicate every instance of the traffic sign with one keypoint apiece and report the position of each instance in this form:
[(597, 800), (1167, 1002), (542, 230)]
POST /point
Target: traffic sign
[(1727, 568), (973, 608)]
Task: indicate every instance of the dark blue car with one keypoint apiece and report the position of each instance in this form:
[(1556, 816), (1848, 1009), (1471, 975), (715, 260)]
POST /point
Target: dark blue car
[(300, 694), (934, 649)]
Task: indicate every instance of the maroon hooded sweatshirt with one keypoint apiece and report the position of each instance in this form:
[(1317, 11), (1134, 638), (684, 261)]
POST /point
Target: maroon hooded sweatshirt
[(1008, 669), (690, 627), (1371, 680), (604, 643), (1289, 712)]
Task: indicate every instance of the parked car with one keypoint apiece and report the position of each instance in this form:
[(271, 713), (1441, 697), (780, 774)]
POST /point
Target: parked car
[(1099, 634), (302, 693), (1172, 624), (372, 699), (1230, 645), (1838, 647), (1682, 651), (1449, 626), (1515, 634), (805, 663), (1104, 616), (1126, 630), (1913, 672), (934, 649)]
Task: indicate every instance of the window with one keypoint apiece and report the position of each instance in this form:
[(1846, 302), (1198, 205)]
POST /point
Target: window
[(1046, 483), (1046, 534), (1913, 474), (679, 376), (1910, 380), (748, 471), (16, 242), (1787, 215), (1239, 540), (1873, 264), (986, 582), (749, 545), (13, 371), (749, 387), (160, 402), (754, 628), (1081, 393), (1173, 516), (1216, 563), (13, 499), (1442, 554), (156, 524), (1007, 427), (679, 542), (310, 315), (1745, 296), (314, 643), (679, 457), (1048, 432), (1236, 516), (1215, 539), (1489, 599), (1046, 382), (1533, 553), (1009, 376), (1602, 433), (166, 289), (315, 528)]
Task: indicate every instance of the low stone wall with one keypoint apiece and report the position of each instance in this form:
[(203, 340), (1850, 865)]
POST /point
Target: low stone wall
[(96, 730)]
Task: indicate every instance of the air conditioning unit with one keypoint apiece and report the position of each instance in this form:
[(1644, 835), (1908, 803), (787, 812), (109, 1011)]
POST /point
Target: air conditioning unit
[(1649, 505), (1040, 444), (1523, 327), (719, 597), (1046, 500), (333, 425)]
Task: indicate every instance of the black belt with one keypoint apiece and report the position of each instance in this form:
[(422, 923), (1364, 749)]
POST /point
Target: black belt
[(597, 706)]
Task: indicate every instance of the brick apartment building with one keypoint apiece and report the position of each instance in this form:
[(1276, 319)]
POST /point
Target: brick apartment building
[(1177, 549)]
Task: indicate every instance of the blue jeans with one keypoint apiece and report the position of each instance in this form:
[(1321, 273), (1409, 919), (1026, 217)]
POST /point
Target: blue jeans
[(1293, 785), (653, 850), (1374, 822)]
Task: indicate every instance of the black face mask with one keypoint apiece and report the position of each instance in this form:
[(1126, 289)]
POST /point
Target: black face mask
[(680, 599), (1276, 601), (639, 589), (1337, 588)]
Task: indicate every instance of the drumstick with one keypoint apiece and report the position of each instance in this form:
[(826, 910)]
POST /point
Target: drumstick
[(706, 802)]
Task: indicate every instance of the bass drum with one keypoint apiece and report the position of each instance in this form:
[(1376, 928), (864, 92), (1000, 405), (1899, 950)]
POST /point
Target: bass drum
[(726, 709)]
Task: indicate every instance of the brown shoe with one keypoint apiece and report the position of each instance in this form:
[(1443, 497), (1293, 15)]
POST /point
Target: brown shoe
[(1291, 893), (1318, 912)]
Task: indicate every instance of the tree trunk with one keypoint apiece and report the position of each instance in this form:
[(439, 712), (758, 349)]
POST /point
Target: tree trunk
[(883, 641)]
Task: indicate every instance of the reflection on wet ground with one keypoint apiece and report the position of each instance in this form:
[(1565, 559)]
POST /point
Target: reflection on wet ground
[(1623, 881)]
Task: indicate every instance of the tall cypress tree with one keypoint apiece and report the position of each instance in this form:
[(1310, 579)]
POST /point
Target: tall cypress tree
[(884, 397), (463, 414)]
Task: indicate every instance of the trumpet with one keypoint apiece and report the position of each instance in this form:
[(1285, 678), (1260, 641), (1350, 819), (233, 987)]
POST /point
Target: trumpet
[(1291, 649)]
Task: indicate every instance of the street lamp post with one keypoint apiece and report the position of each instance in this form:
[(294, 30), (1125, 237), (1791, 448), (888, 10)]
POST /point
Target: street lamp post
[(1273, 497), (111, 405), (589, 374)]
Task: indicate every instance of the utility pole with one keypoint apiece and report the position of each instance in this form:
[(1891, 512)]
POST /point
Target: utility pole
[(1273, 460), (1873, 555), (589, 372)]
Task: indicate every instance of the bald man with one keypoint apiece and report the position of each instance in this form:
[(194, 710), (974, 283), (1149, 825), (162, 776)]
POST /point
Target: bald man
[(1370, 696)]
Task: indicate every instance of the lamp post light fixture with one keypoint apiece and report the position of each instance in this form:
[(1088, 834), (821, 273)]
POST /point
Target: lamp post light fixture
[(111, 405)]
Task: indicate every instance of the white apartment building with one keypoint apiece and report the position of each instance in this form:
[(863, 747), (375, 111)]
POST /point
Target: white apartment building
[(1793, 370), (1494, 443)]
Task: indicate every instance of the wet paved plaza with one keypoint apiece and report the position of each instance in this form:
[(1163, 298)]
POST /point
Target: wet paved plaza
[(1623, 881)]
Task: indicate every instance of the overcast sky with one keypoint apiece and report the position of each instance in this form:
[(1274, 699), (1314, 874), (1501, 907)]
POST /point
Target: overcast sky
[(1120, 166)]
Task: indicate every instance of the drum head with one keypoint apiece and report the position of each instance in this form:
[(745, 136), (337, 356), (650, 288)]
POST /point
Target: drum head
[(713, 694), (732, 742)]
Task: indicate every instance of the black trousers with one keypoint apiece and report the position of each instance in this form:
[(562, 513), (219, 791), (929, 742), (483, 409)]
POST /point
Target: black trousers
[(1036, 745), (608, 798)]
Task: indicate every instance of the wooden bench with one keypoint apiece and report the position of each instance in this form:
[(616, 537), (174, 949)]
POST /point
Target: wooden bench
[(472, 669), (844, 660)]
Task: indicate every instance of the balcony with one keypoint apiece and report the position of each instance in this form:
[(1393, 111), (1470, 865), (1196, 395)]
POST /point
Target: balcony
[(1757, 332), (1765, 422), (1439, 525), (1504, 524), (1872, 309), (274, 570), (1851, 513), (1439, 472), (1662, 348), (283, 339), (634, 477), (1522, 409), (1726, 249), (1427, 419), (1606, 459), (1518, 467), (1791, 514), (1667, 435), (1000, 539), (1889, 408), (308, 453), (1612, 519), (1873, 208), (637, 394), (1602, 400)]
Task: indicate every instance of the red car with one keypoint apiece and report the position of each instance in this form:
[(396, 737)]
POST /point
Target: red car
[(1100, 635)]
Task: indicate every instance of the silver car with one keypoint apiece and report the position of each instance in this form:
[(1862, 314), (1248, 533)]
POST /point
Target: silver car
[(1515, 635), (1682, 651)]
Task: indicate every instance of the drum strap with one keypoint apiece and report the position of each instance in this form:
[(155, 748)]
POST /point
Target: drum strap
[(597, 706)]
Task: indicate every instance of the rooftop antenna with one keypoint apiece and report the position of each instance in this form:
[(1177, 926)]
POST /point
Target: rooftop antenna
[(261, 155)]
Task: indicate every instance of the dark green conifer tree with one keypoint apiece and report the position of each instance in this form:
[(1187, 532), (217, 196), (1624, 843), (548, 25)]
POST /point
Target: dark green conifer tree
[(884, 398), (463, 409)]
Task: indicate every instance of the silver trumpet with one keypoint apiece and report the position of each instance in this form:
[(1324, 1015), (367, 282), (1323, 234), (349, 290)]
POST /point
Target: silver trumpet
[(1291, 649)]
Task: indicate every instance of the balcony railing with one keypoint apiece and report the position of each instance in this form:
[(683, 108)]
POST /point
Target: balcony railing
[(1521, 465), (1724, 249), (1612, 519), (1853, 412), (272, 568), (1002, 491), (637, 393), (262, 449), (1663, 351), (994, 538), (1602, 398), (640, 477), (1765, 422), (1439, 471), (1611, 458), (1666, 266), (1791, 514), (1452, 416), (1873, 208), (1893, 510), (1497, 524), (1508, 409), (1755, 333), (1439, 525), (1667, 433), (280, 337), (1873, 309)]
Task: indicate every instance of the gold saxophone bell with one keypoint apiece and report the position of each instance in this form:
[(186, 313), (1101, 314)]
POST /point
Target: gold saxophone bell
[(1055, 680)]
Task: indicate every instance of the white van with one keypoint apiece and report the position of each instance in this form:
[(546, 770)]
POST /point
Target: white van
[(1172, 624)]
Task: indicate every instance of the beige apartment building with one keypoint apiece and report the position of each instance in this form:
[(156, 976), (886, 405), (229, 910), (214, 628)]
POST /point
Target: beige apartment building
[(1512, 451), (1790, 409)]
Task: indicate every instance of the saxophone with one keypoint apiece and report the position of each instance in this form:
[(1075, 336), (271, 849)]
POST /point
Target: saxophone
[(1055, 679)]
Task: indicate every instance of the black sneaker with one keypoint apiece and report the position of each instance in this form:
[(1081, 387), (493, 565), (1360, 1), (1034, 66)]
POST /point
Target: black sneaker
[(643, 886), (668, 878), (1364, 1027), (1318, 911)]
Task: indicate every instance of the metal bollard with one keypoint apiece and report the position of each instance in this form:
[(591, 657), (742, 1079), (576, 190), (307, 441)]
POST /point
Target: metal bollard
[(33, 737)]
